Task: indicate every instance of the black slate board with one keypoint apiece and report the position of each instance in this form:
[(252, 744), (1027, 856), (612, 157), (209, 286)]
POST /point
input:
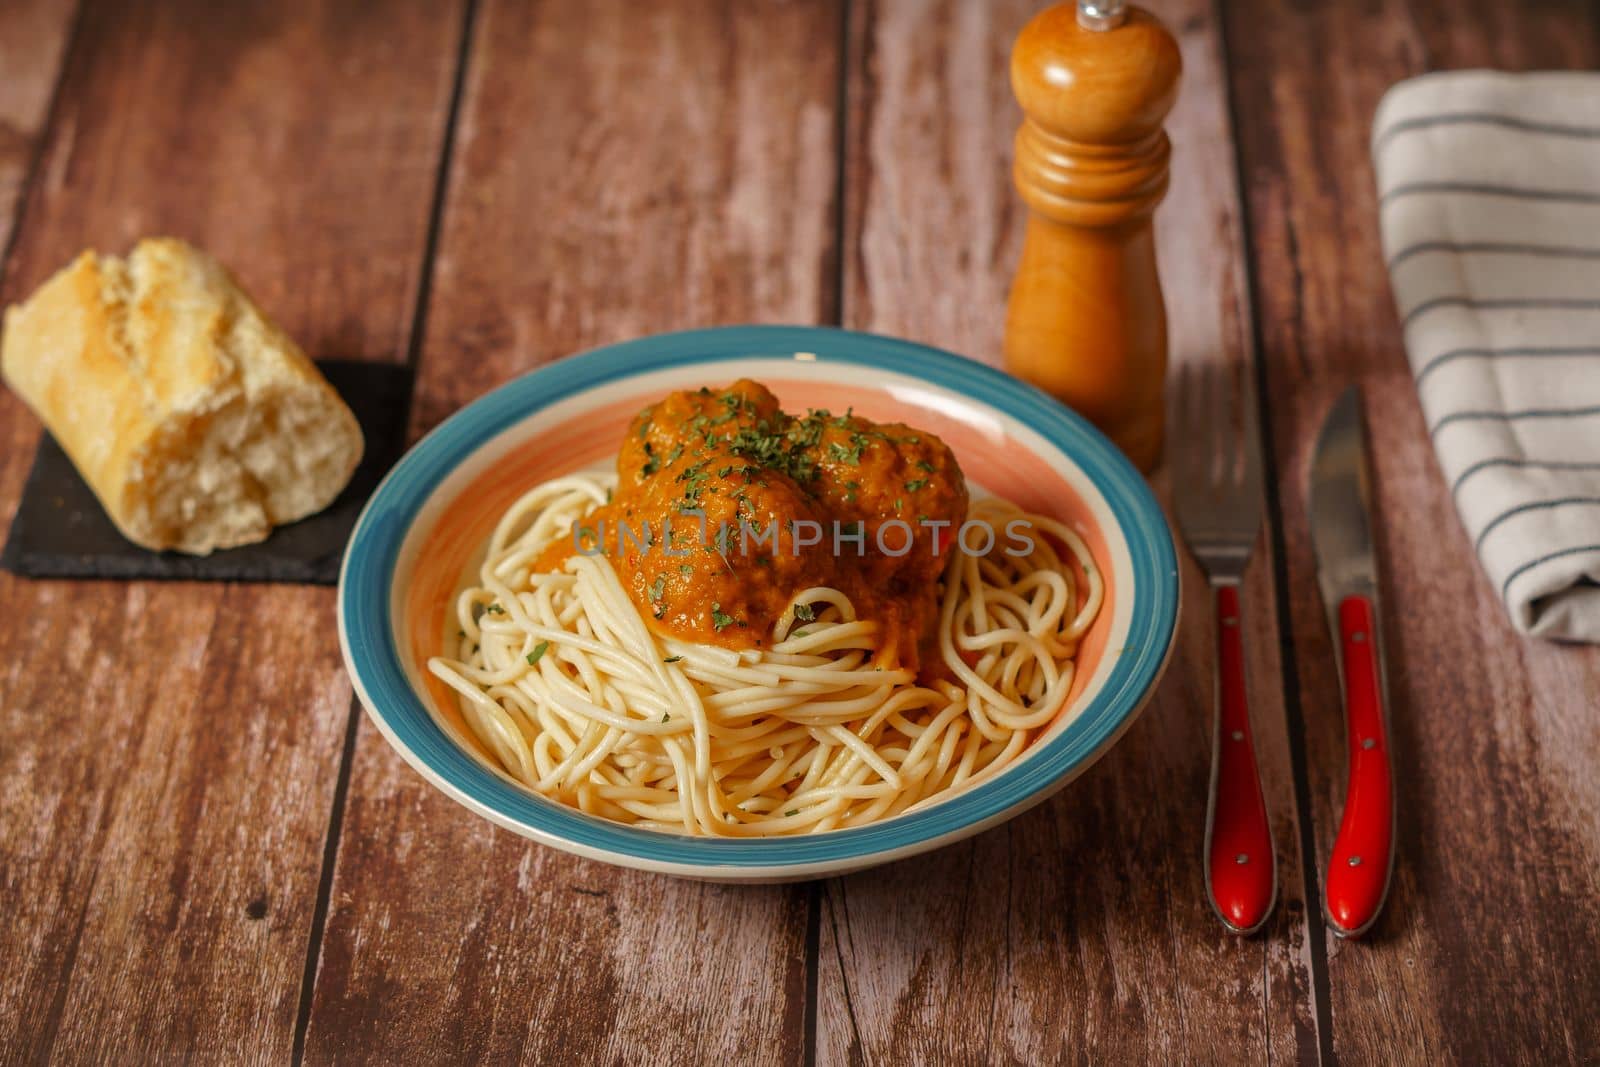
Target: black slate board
[(61, 531)]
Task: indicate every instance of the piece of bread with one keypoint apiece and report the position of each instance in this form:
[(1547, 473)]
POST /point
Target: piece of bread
[(198, 423)]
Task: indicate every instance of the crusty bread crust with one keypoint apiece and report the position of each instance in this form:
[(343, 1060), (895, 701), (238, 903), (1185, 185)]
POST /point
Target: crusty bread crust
[(197, 421)]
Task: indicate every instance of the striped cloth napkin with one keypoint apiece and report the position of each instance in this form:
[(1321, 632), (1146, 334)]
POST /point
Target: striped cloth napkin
[(1489, 188)]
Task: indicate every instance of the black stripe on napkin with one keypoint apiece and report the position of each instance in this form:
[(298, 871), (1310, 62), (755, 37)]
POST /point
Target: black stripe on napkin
[(1505, 587), (1499, 248), (1542, 303), (1553, 352), (1538, 505), (1520, 462), (1515, 192), (1512, 416), (1484, 118)]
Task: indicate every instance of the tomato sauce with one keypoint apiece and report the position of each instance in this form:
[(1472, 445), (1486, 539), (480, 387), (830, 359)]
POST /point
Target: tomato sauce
[(760, 504)]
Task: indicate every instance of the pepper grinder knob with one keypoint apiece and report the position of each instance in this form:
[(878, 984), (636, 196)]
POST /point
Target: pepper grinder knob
[(1105, 15), (1086, 322)]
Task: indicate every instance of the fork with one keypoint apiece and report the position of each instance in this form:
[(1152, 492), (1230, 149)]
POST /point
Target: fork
[(1216, 473)]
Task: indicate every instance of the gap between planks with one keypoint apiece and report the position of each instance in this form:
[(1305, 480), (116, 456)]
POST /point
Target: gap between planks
[(833, 316), (347, 752), (1294, 723)]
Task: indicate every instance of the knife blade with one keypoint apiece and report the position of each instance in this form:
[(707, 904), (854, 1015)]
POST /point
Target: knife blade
[(1362, 862)]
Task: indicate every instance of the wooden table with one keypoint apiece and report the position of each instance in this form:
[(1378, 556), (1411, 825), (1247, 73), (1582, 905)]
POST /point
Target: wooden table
[(208, 852)]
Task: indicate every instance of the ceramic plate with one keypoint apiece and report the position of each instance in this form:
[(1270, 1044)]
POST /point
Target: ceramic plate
[(426, 524)]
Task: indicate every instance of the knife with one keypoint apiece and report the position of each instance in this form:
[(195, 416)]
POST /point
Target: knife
[(1341, 536)]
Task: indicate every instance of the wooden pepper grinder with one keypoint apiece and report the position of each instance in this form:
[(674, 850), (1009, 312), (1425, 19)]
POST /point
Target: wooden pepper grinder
[(1086, 321)]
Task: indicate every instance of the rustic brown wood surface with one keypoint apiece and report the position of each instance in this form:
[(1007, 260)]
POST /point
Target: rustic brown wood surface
[(169, 752), (33, 39), (1489, 950), (206, 853)]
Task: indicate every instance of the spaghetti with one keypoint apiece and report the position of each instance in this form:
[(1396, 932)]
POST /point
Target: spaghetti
[(819, 717)]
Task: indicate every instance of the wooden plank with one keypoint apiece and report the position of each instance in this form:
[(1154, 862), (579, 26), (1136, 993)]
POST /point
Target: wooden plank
[(1079, 932), (33, 43), (33, 40), (168, 752), (1487, 951), (620, 169)]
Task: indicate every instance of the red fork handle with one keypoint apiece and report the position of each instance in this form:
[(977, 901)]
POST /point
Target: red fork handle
[(1363, 853), (1241, 867)]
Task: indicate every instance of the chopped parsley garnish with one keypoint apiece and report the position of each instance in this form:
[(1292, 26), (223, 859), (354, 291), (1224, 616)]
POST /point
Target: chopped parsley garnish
[(916, 484), (685, 569), (851, 455), (924, 465), (696, 479), (805, 613), (494, 609), (791, 811), (538, 651), (666, 716), (780, 450), (658, 588), (720, 619), (672, 659), (807, 432)]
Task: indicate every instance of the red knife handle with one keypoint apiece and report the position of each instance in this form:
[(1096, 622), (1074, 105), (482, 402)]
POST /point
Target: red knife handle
[(1241, 867), (1358, 870)]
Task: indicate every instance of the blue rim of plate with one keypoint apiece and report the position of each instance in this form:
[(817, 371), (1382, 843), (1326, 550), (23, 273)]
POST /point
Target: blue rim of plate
[(367, 574)]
